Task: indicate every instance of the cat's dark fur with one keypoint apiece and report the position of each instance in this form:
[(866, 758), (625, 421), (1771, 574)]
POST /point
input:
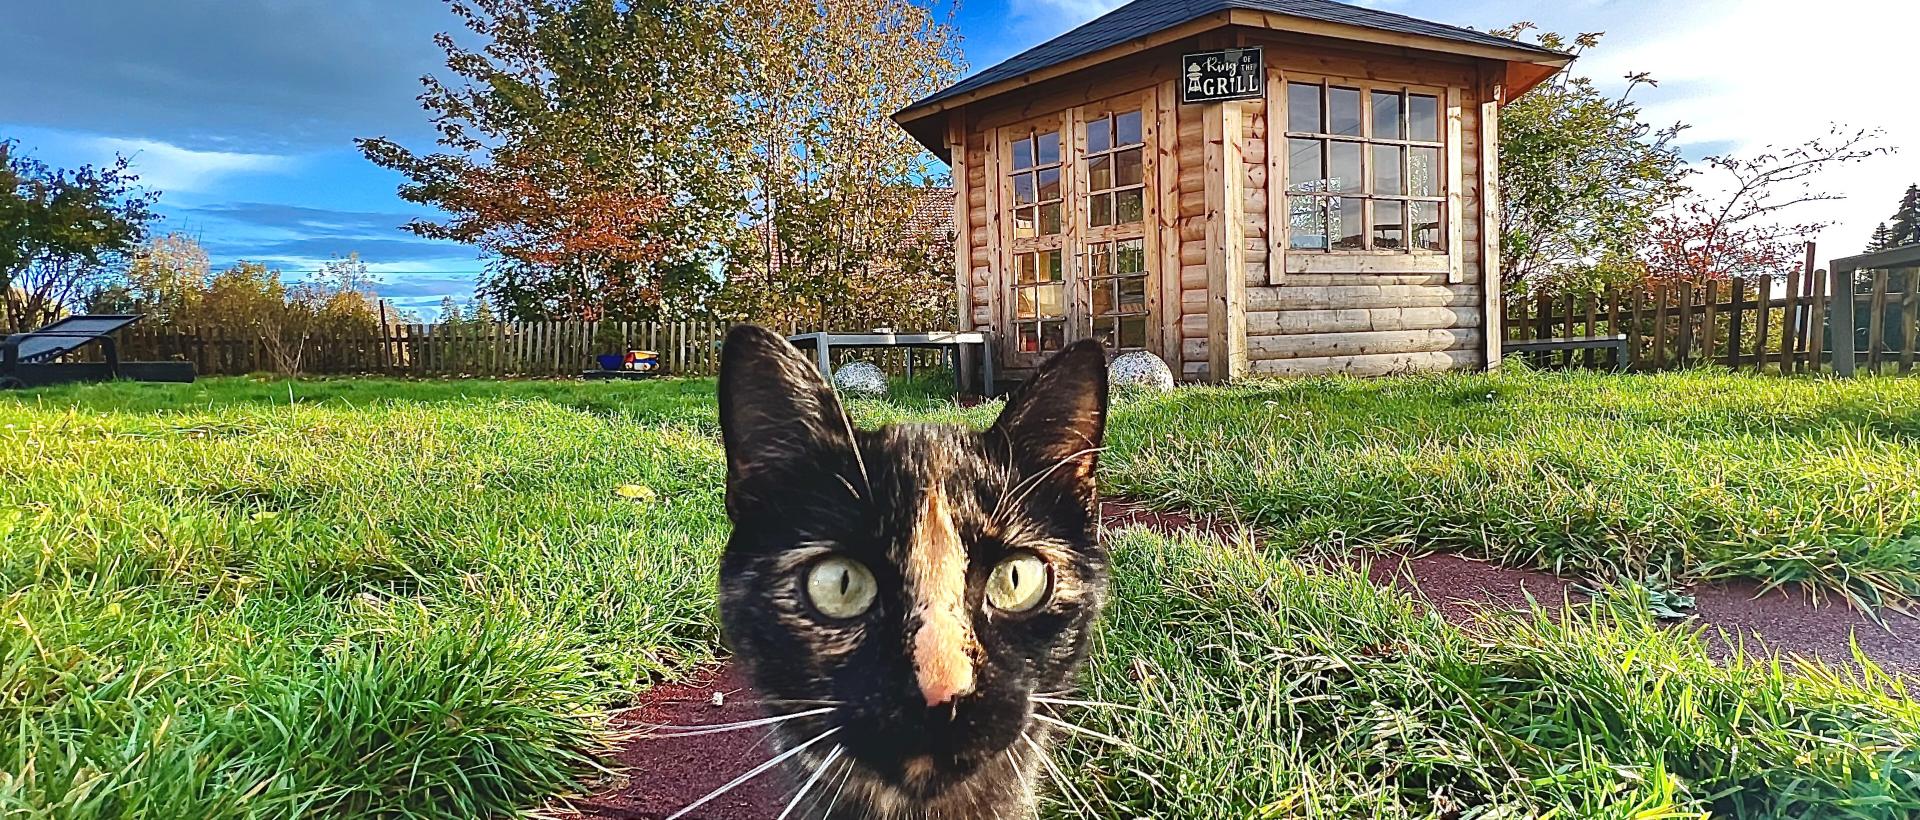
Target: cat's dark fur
[(930, 686)]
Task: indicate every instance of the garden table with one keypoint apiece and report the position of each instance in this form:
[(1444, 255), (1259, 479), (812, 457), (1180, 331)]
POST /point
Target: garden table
[(955, 345)]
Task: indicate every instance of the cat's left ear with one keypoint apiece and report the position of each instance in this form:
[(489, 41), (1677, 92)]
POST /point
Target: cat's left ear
[(779, 419), (1055, 422)]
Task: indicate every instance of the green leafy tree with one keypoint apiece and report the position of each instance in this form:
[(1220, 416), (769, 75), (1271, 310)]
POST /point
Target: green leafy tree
[(61, 232), (838, 190), (588, 146), (1582, 175), (1881, 240)]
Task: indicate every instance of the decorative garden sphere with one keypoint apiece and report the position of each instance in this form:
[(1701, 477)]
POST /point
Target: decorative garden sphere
[(863, 379), (1139, 370)]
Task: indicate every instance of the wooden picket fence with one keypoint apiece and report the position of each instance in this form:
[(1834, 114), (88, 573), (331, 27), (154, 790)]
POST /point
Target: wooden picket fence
[(532, 349), (1780, 324)]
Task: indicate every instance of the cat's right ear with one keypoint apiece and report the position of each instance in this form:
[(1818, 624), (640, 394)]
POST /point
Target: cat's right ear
[(779, 419)]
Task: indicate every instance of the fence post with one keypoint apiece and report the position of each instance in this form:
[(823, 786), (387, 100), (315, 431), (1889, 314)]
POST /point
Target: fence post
[(1840, 324)]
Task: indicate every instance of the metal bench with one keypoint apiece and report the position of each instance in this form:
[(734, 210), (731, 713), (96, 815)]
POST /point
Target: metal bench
[(29, 359), (1616, 343)]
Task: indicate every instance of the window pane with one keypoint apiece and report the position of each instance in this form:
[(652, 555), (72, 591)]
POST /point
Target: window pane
[(1100, 173), (1388, 233), (1102, 301), (1386, 116), (1126, 167), (1130, 256), (1133, 331), (1023, 303), (1050, 266), (1126, 128), (1346, 224), (1133, 293), (1099, 135), (1051, 299), (1024, 222), (1304, 170), (1023, 189), (1053, 335), (1426, 226), (1423, 175), (1387, 161), (1303, 108), (1306, 223), (1028, 269), (1106, 331), (1423, 117), (1049, 184), (1343, 111), (1100, 210), (1127, 206), (1023, 153), (1100, 261), (1047, 148), (1343, 176), (1029, 338)]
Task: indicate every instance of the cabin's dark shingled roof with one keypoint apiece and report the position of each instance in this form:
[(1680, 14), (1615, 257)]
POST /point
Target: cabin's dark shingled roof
[(1144, 17)]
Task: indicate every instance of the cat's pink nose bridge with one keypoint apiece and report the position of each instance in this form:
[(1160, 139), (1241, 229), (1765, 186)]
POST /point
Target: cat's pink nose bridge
[(936, 580)]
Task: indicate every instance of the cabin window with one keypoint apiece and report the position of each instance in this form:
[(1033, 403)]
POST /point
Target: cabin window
[(1117, 283), (1115, 269), (1364, 168), (1116, 188), (1039, 280)]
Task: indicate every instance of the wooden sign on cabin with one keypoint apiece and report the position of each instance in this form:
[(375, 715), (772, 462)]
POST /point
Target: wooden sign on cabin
[(1222, 76), (1328, 209)]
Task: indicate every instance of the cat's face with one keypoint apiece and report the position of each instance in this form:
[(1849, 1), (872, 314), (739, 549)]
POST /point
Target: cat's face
[(923, 582)]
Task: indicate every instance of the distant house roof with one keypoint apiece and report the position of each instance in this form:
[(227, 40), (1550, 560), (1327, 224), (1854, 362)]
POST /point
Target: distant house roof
[(1142, 19)]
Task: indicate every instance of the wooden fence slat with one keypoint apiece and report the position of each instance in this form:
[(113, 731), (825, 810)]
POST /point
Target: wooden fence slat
[(1761, 322), (1790, 321), (1876, 321), (1684, 343), (1909, 319)]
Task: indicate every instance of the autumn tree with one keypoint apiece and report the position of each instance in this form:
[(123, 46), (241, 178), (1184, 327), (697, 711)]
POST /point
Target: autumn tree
[(588, 147), (61, 231), (1582, 175), (1737, 224), (163, 281)]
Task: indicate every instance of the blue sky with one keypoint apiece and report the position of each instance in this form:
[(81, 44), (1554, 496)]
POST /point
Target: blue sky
[(243, 112)]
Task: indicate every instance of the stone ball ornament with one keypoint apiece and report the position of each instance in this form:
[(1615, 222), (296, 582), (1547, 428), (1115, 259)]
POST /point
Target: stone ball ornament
[(1139, 370), (862, 379)]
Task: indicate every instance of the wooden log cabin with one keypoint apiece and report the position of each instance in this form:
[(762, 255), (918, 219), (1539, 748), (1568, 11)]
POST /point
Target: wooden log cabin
[(1268, 187)]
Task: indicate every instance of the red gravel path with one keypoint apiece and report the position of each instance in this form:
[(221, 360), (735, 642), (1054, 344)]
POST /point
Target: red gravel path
[(660, 775)]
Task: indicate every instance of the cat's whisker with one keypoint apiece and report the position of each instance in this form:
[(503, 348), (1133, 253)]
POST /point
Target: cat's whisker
[(752, 773), (1027, 486), (832, 755), (1053, 701), (836, 792), (1097, 735), (1076, 801), (690, 731)]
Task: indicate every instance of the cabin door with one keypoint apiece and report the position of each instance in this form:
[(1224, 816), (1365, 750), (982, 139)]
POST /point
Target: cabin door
[(1079, 199)]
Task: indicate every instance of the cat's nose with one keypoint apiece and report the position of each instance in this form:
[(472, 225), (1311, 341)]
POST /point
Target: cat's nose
[(940, 691)]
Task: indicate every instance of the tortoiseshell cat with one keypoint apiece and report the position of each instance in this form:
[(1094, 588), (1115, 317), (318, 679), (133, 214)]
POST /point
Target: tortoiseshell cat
[(916, 585)]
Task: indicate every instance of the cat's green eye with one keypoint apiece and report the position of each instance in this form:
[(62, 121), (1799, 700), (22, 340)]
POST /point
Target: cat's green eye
[(840, 587), (1019, 583)]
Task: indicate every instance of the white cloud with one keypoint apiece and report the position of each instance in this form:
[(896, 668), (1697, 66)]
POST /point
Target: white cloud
[(170, 168), (1752, 74)]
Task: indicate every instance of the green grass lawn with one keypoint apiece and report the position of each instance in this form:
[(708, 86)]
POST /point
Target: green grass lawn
[(368, 598)]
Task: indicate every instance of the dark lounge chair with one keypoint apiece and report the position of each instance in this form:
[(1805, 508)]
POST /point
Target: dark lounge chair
[(27, 359)]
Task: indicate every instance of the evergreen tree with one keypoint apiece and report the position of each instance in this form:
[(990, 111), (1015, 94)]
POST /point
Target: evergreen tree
[(1880, 238), (1906, 221)]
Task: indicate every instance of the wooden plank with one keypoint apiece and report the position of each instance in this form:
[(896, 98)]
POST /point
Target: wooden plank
[(1662, 294), (1909, 316), (1166, 184), (1707, 317), (1591, 329), (1840, 324), (1456, 189), (1763, 322), (1276, 176), (1360, 344), (1226, 244), (1736, 325), (1491, 282), (1876, 321), (1335, 263), (1790, 319), (1683, 343), (1370, 365), (1303, 297), (962, 220), (1354, 320)]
